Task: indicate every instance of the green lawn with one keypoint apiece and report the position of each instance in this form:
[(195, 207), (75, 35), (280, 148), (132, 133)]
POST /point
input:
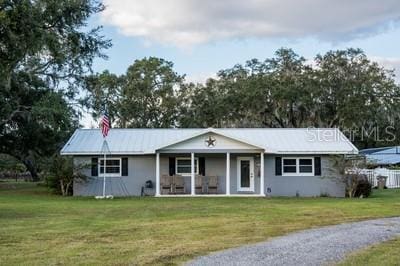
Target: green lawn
[(39, 228), (387, 253)]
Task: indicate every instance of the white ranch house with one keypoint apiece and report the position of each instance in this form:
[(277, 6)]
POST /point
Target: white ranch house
[(203, 162)]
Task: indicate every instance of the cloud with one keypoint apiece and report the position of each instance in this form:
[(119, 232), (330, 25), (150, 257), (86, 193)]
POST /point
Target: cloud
[(87, 120), (392, 63), (200, 77), (185, 23)]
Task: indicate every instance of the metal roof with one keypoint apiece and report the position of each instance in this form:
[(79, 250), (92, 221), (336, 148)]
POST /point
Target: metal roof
[(373, 150), (383, 156), (272, 140)]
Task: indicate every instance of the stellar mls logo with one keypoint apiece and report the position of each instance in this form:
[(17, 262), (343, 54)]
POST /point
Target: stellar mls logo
[(387, 134), (210, 142)]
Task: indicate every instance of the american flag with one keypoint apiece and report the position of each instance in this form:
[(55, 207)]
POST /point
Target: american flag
[(105, 125)]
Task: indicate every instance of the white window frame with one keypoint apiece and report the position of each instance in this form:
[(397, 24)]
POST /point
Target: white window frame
[(196, 159), (298, 166), (111, 174)]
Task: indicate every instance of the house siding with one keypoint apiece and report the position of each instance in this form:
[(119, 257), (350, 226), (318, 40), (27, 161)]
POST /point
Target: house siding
[(142, 168), (216, 166), (304, 186)]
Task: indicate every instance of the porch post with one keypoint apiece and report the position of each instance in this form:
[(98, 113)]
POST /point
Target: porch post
[(192, 185), (262, 174), (228, 174), (157, 174)]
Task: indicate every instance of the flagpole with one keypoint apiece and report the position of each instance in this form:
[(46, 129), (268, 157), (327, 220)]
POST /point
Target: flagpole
[(105, 126), (104, 169)]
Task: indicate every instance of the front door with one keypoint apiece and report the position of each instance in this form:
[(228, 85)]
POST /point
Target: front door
[(245, 173)]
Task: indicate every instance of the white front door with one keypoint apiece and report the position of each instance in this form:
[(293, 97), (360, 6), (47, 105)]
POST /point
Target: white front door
[(245, 173)]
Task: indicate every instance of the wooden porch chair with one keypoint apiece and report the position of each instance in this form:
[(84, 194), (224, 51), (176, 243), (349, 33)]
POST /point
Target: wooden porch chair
[(166, 184), (199, 184), (212, 185), (179, 185)]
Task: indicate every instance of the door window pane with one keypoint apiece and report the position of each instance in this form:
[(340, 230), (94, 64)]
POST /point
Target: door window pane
[(245, 173)]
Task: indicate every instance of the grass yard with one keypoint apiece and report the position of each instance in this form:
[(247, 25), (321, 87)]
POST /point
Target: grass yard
[(39, 228), (387, 253)]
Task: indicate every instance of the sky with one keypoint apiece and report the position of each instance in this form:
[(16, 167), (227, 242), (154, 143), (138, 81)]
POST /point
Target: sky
[(203, 36)]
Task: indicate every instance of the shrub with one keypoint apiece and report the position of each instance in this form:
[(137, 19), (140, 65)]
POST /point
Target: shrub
[(363, 189), (61, 174), (349, 171)]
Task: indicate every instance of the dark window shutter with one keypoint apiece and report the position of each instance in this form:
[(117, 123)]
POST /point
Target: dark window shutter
[(124, 162), (172, 166), (95, 168), (317, 166), (278, 165), (202, 166)]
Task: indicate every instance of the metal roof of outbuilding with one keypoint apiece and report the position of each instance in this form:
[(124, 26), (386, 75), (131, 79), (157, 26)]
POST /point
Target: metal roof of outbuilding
[(383, 155)]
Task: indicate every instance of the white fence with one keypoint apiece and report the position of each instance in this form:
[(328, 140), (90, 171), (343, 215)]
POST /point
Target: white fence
[(393, 180)]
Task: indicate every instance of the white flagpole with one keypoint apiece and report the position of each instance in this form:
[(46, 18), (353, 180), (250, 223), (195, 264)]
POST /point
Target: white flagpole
[(105, 148), (104, 169)]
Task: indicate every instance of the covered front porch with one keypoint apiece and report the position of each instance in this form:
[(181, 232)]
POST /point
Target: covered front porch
[(210, 164), (210, 174)]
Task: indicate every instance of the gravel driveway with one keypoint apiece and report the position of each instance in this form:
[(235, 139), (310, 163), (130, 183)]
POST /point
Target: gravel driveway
[(309, 247)]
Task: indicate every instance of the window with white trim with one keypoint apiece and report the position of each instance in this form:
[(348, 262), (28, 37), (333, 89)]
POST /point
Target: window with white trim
[(306, 165), (289, 165), (297, 166), (113, 166), (184, 166)]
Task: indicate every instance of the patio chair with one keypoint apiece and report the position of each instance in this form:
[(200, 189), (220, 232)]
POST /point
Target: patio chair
[(179, 185), (166, 184), (212, 185), (199, 184)]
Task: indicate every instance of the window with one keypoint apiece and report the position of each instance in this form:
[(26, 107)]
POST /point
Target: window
[(113, 166), (183, 166), (289, 165), (305, 165), (298, 166)]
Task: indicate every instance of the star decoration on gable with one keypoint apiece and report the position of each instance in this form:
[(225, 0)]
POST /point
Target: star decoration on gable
[(210, 142)]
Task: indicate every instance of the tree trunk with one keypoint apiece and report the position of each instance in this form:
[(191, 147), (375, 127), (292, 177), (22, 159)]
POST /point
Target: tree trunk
[(67, 188), (32, 169), (350, 193), (62, 187)]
